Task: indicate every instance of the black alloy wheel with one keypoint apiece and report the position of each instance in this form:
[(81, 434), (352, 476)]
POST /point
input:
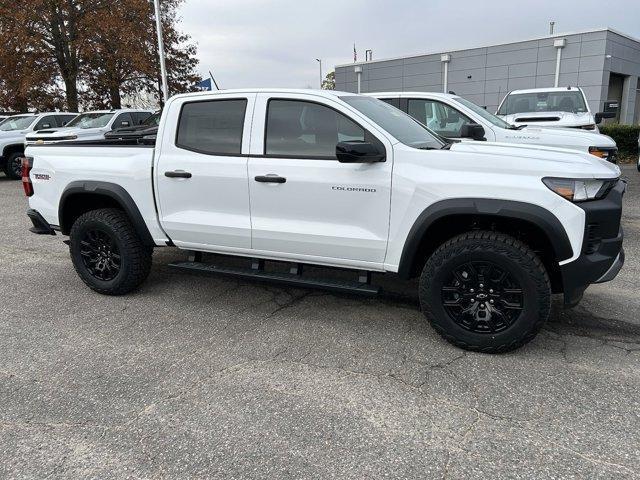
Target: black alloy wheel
[(482, 297), (100, 254)]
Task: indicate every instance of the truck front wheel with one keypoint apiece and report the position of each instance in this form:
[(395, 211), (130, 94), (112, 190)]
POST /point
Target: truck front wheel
[(107, 252), (486, 292)]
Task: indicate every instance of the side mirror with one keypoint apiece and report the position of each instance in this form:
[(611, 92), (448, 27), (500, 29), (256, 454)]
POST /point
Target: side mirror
[(473, 131), (358, 152), (598, 117)]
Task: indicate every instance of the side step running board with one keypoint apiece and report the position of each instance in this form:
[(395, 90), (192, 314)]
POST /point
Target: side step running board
[(294, 278)]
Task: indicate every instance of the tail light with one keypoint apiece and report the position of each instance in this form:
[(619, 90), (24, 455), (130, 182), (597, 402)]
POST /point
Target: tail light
[(27, 165)]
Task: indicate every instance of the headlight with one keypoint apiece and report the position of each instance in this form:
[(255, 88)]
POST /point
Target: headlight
[(602, 152), (580, 190), (70, 137)]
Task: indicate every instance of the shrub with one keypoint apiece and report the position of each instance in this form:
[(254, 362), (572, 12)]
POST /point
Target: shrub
[(625, 136)]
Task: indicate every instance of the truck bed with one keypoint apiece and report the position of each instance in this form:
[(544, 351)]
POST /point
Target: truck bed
[(61, 166)]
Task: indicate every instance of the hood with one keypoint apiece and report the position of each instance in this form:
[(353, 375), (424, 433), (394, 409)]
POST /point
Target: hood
[(131, 132), (12, 135), (566, 119), (133, 128), (79, 132), (567, 136), (540, 160)]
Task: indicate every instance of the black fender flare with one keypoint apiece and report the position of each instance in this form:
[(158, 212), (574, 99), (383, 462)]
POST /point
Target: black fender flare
[(539, 216), (115, 192)]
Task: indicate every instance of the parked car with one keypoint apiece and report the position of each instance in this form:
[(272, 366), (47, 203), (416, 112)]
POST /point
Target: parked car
[(638, 153), (454, 117), (550, 107), (90, 126), (147, 128), (341, 180), (13, 131)]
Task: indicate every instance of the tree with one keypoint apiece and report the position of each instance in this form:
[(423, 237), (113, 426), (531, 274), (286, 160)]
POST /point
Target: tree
[(130, 64), (329, 82), (28, 74), (98, 50), (58, 29)]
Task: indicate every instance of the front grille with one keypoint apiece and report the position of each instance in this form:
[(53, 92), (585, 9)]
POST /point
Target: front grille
[(592, 238)]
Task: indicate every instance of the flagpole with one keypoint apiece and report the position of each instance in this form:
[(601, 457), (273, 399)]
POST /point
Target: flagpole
[(161, 53)]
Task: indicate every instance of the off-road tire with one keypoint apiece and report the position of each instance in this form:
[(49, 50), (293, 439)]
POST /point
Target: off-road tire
[(512, 255), (135, 257), (9, 164)]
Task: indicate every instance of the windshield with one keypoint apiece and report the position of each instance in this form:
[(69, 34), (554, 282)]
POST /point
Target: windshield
[(153, 120), (17, 123), (563, 101), (397, 123), (478, 110), (91, 120)]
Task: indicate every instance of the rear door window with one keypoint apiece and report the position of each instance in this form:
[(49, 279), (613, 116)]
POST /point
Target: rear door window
[(213, 127)]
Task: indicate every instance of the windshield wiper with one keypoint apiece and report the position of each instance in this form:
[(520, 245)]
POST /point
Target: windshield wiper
[(519, 127)]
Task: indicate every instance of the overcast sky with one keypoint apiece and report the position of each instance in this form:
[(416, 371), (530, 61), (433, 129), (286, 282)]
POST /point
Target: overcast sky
[(274, 43)]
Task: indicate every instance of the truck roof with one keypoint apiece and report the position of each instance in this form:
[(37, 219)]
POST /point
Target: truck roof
[(413, 94), (545, 89), (119, 110), (244, 91)]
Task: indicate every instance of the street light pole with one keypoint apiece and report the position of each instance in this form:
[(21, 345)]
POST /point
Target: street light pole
[(163, 67), (320, 62)]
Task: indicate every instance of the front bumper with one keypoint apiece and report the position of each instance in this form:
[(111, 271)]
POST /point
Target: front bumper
[(602, 255)]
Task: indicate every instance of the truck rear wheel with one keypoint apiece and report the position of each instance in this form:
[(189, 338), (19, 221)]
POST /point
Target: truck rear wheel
[(13, 165), (486, 292), (107, 252)]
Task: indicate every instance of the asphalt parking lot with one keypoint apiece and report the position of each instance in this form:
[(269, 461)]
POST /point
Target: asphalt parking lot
[(209, 377)]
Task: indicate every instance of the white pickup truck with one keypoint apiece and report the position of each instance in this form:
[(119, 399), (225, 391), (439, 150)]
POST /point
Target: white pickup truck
[(342, 180), (550, 107), (455, 117), (90, 126), (14, 130)]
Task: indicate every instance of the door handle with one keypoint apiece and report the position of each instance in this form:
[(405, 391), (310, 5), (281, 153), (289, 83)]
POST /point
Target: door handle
[(271, 178), (178, 174)]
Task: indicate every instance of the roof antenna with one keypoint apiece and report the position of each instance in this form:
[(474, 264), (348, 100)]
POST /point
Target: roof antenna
[(551, 25)]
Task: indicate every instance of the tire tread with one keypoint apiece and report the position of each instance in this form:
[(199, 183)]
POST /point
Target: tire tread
[(502, 244), (139, 256)]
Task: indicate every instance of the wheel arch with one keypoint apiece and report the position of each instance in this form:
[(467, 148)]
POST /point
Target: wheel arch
[(12, 148), (541, 230), (82, 196)]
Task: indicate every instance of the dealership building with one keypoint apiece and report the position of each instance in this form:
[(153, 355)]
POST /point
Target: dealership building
[(603, 62)]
